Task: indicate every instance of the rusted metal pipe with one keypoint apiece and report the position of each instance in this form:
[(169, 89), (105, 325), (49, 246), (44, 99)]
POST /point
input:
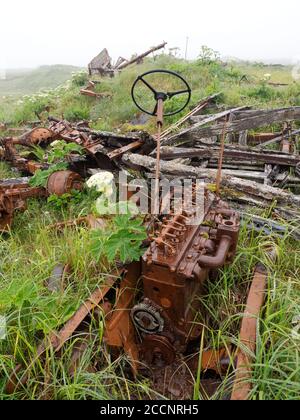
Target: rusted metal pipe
[(219, 259)]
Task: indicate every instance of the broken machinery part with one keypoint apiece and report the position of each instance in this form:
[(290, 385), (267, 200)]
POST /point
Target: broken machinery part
[(62, 182), (13, 196), (56, 340), (15, 192)]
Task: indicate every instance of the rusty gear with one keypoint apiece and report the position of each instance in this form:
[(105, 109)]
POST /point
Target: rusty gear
[(147, 318)]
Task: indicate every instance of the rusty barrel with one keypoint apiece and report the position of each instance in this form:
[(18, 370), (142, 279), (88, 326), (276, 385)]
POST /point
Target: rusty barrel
[(63, 182)]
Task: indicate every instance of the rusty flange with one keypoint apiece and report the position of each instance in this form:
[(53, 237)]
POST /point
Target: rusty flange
[(63, 182), (157, 351)]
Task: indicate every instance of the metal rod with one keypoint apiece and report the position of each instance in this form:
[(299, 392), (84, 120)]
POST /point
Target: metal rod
[(160, 121)]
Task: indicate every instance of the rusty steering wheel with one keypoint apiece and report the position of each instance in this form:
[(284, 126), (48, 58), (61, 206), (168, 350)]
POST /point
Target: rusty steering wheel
[(164, 96)]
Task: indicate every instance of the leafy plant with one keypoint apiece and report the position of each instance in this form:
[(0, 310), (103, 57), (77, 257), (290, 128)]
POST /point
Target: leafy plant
[(80, 78), (262, 92), (122, 242), (77, 112), (40, 178), (61, 150), (35, 150), (63, 201), (55, 157), (208, 55)]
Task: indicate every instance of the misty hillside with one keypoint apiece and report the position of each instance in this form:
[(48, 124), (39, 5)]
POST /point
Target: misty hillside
[(26, 81)]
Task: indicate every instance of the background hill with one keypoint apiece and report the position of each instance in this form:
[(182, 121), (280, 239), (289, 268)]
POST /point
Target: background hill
[(26, 81)]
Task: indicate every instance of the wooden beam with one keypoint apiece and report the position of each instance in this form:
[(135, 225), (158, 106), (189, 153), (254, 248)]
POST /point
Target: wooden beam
[(237, 154), (198, 130), (244, 113), (248, 336), (141, 56), (233, 183), (185, 134), (277, 139), (202, 104)]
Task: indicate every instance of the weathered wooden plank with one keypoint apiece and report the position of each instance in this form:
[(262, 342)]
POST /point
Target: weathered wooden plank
[(198, 130), (245, 113), (235, 184), (141, 56), (248, 335), (172, 140), (243, 138), (278, 139), (241, 154), (198, 108)]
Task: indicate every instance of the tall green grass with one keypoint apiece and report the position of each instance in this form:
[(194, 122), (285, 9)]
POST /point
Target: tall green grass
[(29, 255)]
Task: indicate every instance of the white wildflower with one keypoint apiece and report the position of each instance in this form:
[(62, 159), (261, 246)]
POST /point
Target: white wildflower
[(103, 182)]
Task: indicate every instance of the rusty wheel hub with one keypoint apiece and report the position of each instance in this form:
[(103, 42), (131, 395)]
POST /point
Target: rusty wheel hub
[(63, 182)]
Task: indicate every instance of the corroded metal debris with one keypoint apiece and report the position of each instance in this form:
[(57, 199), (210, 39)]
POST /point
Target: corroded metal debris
[(151, 308), (13, 196), (15, 192), (62, 182)]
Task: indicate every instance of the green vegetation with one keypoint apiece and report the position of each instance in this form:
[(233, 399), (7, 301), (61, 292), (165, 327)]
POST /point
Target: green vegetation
[(121, 242), (5, 171), (29, 254), (56, 157), (241, 84)]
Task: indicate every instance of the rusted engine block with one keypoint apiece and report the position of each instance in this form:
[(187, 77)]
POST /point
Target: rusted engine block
[(174, 270)]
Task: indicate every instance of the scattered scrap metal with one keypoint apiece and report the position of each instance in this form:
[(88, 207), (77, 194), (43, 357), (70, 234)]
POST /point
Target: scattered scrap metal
[(13, 196), (158, 330), (101, 148)]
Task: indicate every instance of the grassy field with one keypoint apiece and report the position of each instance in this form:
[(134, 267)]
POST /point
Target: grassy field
[(29, 254)]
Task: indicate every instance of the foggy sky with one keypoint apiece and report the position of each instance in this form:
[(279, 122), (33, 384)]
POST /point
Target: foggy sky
[(41, 32)]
